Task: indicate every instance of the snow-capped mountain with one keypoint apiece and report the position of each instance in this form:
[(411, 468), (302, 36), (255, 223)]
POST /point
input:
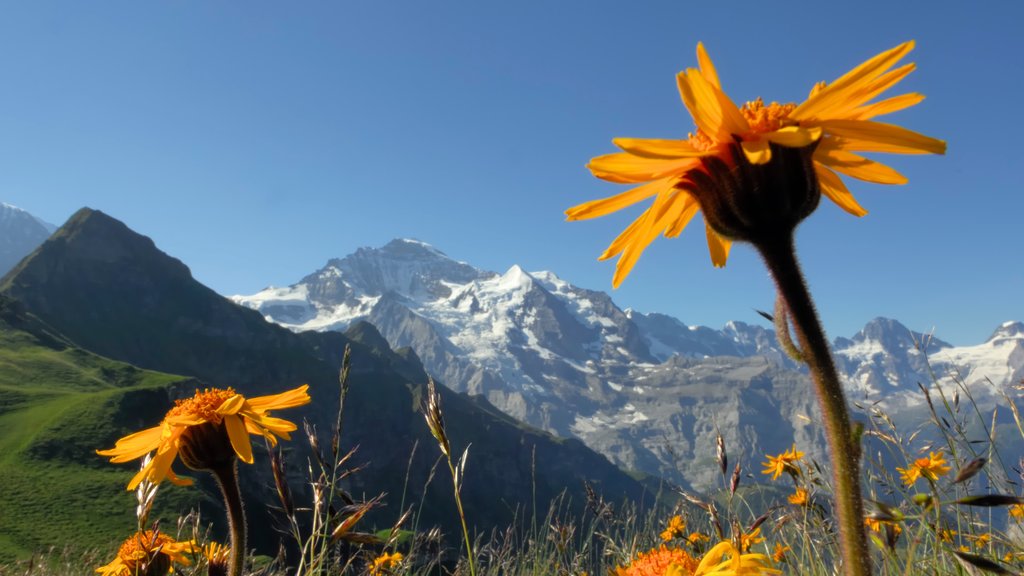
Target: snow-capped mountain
[(646, 390), (20, 234)]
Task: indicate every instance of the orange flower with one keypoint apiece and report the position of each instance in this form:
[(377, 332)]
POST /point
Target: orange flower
[(931, 467), (833, 125), (777, 464), (676, 528), (779, 554), (799, 497), (212, 416), (385, 563), (148, 553), (722, 560)]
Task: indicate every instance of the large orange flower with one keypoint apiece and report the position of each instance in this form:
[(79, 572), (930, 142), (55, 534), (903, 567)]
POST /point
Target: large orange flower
[(722, 560), (195, 420), (836, 119), (148, 553)]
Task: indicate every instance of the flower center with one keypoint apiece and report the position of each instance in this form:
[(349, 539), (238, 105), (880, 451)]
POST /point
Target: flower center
[(140, 546), (204, 404), (767, 118), (762, 118)]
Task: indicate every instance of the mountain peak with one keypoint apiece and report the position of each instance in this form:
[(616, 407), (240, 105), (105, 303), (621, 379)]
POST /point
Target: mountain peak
[(1011, 329)]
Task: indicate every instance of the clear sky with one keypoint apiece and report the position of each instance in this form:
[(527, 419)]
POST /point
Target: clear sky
[(256, 140)]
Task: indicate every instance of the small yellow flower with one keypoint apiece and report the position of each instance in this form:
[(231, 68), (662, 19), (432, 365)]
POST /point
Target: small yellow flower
[(779, 554), (749, 539), (783, 462), (831, 128), (214, 413), (148, 553), (696, 538), (878, 525), (981, 540), (1017, 512), (946, 535), (385, 563), (930, 467), (218, 558), (676, 528), (799, 497)]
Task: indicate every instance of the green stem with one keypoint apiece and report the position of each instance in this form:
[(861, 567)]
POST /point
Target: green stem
[(780, 257), (227, 479), (462, 517)]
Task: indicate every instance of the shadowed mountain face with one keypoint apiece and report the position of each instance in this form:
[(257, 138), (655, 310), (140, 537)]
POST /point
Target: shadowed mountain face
[(111, 291)]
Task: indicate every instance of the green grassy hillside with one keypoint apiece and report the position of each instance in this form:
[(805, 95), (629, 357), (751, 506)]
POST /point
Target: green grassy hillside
[(57, 405)]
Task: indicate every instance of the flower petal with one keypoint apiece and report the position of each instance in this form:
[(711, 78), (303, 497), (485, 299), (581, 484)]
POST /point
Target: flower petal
[(290, 399), (239, 438), (604, 206), (839, 91), (887, 106), (867, 91), (757, 151), (718, 246), (626, 168), (232, 405), (656, 148), (134, 445), (157, 468), (667, 206), (688, 209), (707, 69), (881, 137), (624, 237), (858, 166), (832, 187), (712, 111), (794, 136)]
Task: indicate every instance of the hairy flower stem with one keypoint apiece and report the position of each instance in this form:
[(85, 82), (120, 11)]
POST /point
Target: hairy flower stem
[(780, 257), (227, 479)]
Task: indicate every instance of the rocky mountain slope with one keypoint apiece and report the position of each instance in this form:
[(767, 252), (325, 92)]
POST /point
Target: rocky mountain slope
[(647, 390)]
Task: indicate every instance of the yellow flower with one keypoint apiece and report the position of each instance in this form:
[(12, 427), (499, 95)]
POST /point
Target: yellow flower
[(722, 560), (1017, 512), (833, 126), (696, 538), (981, 540), (749, 539), (676, 528), (931, 467), (777, 464), (877, 525), (148, 553), (385, 563), (214, 415), (218, 558), (780, 552), (799, 497), (946, 535)]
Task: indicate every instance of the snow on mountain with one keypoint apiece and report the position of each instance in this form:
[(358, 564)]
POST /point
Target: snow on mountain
[(646, 390), (20, 234)]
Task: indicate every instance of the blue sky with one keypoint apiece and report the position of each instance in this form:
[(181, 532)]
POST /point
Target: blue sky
[(255, 141)]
